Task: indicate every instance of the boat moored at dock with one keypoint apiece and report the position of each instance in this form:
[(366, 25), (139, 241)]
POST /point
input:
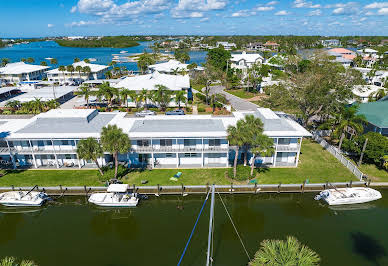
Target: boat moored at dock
[(342, 196), (117, 195), (23, 198)]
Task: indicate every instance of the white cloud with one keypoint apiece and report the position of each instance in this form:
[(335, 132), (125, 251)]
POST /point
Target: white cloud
[(82, 23), (243, 13), (383, 11), (204, 19), (316, 12), (201, 5), (282, 13), (73, 9), (369, 13), (272, 3), (50, 25), (362, 19), (305, 4), (349, 8), (376, 5), (264, 8)]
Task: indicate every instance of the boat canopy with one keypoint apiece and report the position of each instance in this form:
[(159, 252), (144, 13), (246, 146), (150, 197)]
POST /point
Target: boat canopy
[(118, 188)]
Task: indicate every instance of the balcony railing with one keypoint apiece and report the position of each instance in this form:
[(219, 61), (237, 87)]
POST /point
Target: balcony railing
[(43, 151), (173, 149), (287, 147)]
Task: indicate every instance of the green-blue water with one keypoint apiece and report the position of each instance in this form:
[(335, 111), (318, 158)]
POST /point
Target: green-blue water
[(71, 232), (65, 55)]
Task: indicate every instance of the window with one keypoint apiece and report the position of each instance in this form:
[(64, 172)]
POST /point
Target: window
[(189, 142), (166, 142), (64, 142), (40, 143), (67, 156), (169, 155), (214, 142), (284, 141), (143, 143), (190, 155), (49, 142)]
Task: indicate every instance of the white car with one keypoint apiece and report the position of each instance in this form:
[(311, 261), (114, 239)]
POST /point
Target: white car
[(145, 113)]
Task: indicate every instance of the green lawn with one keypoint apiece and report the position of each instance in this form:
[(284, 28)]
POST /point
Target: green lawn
[(242, 93), (316, 164), (374, 173)]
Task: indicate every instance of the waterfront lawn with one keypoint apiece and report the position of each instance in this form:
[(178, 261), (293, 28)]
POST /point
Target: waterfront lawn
[(374, 173), (315, 164), (50, 178)]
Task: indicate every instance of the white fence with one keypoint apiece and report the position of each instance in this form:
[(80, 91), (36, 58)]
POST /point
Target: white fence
[(337, 153)]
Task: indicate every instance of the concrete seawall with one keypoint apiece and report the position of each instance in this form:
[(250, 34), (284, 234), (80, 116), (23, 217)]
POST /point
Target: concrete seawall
[(203, 189)]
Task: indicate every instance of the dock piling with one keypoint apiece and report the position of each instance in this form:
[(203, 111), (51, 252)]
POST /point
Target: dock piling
[(280, 184), (350, 183)]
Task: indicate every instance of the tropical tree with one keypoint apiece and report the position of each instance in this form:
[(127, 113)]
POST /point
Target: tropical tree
[(23, 59), (62, 69), (53, 61), (11, 261), (30, 60), (108, 74), (79, 69), (13, 105), (284, 252), (86, 60), (86, 92), (181, 55), (180, 98), (51, 104), (37, 106), (125, 93), (70, 68), (115, 141), (43, 63), (76, 60), (133, 96), (144, 96), (90, 149), (218, 58), (4, 61), (236, 140), (144, 61), (87, 70), (108, 92), (261, 145), (162, 96)]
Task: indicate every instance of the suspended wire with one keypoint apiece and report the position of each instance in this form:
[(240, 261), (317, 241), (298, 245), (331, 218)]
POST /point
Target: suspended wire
[(235, 229), (211, 256), (192, 231)]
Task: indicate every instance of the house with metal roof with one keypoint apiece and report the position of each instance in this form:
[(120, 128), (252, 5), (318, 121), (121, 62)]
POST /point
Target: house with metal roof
[(377, 115), (20, 71), (245, 61), (171, 67), (50, 139), (65, 77)]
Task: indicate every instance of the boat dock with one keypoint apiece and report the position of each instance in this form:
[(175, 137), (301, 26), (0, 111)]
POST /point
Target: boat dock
[(203, 189)]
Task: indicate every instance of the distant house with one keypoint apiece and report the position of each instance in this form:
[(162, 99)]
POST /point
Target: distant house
[(244, 61), (331, 43), (271, 45), (343, 56), (171, 66), (63, 77), (255, 46), (376, 114), (364, 92), (227, 45), (20, 71)]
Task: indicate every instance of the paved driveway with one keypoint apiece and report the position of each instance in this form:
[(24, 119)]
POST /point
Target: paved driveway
[(237, 103)]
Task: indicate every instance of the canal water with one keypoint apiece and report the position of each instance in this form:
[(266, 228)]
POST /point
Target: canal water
[(65, 55), (71, 232)]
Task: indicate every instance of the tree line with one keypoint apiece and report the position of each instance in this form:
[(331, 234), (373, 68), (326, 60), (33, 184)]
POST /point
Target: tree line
[(107, 41)]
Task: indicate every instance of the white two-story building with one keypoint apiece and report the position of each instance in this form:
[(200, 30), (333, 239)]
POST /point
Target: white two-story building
[(245, 61), (20, 71), (50, 139)]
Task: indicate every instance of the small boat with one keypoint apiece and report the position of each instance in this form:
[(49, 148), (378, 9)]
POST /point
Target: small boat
[(342, 196), (23, 198), (123, 52), (92, 59), (116, 196)]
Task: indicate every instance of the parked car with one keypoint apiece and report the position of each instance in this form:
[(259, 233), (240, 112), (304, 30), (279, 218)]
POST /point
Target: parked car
[(145, 113), (176, 112)]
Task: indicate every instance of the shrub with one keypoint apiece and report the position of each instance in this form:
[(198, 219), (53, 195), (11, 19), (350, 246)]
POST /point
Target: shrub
[(200, 97), (109, 172), (188, 110), (243, 173), (154, 109), (201, 109)]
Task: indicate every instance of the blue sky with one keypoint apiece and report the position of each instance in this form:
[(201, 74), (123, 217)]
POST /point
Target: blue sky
[(35, 18)]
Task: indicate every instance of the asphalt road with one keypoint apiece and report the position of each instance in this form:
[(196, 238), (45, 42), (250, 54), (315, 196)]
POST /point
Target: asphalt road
[(237, 103)]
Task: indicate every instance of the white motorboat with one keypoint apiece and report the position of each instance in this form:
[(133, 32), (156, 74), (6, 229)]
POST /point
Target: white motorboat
[(116, 196), (23, 198), (342, 196), (123, 52)]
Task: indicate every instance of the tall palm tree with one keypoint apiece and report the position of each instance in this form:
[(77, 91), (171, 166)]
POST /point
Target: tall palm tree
[(85, 92), (87, 70), (62, 69), (70, 68), (76, 60), (133, 96), (37, 106), (53, 61), (79, 69), (125, 93), (11, 261), (180, 98), (284, 252), (5, 61), (86, 60), (108, 74), (30, 60), (108, 92), (90, 149), (162, 96), (236, 140), (144, 97), (43, 63), (261, 145), (13, 105), (115, 141)]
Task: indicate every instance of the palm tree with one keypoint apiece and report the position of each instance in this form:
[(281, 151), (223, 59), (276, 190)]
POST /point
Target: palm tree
[(162, 96), (43, 63), (11, 261), (79, 70), (87, 70), (377, 95), (115, 141), (143, 96), (85, 92), (90, 149), (76, 60), (108, 74), (133, 96), (52, 104), (261, 145), (53, 61), (37, 106), (86, 60), (235, 139), (62, 69), (284, 252), (108, 92), (30, 60), (5, 61), (180, 98), (70, 68), (23, 59), (13, 105), (125, 93)]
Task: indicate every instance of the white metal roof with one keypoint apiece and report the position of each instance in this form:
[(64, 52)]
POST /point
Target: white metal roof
[(44, 94), (250, 58), (20, 68), (149, 81), (93, 67)]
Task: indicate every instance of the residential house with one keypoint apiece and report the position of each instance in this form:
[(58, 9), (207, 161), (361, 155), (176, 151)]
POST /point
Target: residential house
[(50, 139), (364, 92), (331, 43), (245, 61), (20, 71), (271, 45), (172, 67), (66, 77), (376, 114), (255, 46), (342, 56), (227, 45)]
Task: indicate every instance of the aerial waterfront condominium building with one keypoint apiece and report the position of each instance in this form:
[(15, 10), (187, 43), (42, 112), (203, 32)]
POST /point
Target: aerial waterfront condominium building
[(20, 71), (50, 139)]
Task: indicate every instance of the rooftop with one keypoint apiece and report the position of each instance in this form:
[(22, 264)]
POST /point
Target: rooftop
[(44, 94), (376, 113), (20, 68), (93, 67), (251, 58)]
